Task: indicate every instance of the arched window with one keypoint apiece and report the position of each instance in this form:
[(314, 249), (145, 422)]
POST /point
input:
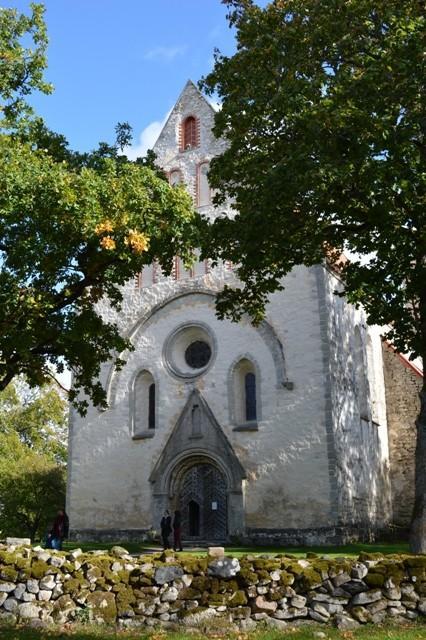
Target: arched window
[(175, 177), (189, 133), (204, 191), (151, 406), (362, 390), (250, 393), (143, 416), (245, 392)]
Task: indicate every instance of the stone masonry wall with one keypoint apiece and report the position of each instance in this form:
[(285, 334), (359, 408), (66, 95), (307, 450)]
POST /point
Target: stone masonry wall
[(403, 403), (166, 590)]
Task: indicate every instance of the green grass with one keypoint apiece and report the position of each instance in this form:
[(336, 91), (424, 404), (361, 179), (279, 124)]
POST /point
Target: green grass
[(349, 550), (368, 632)]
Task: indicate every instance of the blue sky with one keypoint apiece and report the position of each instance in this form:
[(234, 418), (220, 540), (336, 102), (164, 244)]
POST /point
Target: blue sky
[(116, 60)]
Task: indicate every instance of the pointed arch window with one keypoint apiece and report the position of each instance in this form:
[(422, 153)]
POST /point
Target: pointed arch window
[(143, 406), (245, 395), (189, 133), (250, 396)]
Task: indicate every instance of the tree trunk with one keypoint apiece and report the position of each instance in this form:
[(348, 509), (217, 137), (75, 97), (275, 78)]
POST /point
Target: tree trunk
[(418, 523)]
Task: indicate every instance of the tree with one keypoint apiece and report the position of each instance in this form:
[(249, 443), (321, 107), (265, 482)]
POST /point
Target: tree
[(32, 458), (21, 67), (323, 109), (73, 228)]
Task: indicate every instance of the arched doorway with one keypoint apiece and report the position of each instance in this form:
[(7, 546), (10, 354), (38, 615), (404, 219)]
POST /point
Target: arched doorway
[(202, 500)]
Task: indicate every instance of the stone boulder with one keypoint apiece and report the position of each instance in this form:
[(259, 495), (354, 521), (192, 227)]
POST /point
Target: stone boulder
[(167, 574), (224, 568)]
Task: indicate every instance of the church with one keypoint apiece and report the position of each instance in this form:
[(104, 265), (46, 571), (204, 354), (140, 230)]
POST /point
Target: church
[(290, 432)]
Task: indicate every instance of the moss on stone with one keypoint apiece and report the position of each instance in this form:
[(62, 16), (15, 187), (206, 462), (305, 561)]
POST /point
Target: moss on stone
[(102, 605), (227, 586), (201, 583), (184, 613), (188, 593), (124, 576), (215, 599), (415, 561), (7, 557), (102, 562), (370, 556), (8, 573), (247, 577), (74, 586), (286, 578), (266, 564), (124, 600), (237, 599), (39, 569), (195, 565), (374, 579), (310, 579)]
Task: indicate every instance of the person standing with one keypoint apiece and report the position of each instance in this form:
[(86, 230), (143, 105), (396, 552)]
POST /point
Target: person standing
[(166, 529), (59, 530), (177, 531)]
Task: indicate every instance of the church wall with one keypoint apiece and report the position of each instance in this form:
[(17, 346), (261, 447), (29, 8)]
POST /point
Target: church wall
[(286, 460), (358, 411), (403, 386)]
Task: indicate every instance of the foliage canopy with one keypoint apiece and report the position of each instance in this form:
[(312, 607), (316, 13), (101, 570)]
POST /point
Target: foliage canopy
[(73, 228)]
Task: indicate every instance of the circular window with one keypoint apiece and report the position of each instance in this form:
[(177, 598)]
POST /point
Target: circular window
[(190, 350), (197, 354)]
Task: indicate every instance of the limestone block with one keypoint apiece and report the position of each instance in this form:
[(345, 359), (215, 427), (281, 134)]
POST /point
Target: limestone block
[(167, 574), (359, 571), (20, 590), (32, 586), (57, 561), (27, 610), (3, 597), (274, 623), (102, 605), (224, 567), (262, 605), (298, 601), (18, 542), (216, 552), (170, 595), (319, 607), (28, 597), (355, 586), (44, 595), (10, 604), (7, 587), (367, 597), (341, 579), (317, 616), (48, 582)]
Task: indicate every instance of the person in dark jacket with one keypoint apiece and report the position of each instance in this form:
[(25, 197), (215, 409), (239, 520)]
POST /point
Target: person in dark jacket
[(166, 529), (59, 530), (177, 531)]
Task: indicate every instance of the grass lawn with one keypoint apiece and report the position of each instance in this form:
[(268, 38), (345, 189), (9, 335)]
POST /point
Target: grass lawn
[(368, 632), (349, 550)]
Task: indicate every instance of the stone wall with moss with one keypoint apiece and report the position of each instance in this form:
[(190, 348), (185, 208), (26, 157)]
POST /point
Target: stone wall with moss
[(167, 590)]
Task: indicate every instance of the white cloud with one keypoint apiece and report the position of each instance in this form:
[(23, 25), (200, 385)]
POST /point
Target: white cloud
[(165, 54), (147, 139)]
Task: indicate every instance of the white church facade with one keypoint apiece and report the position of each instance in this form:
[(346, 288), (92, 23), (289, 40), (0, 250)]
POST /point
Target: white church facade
[(272, 434)]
